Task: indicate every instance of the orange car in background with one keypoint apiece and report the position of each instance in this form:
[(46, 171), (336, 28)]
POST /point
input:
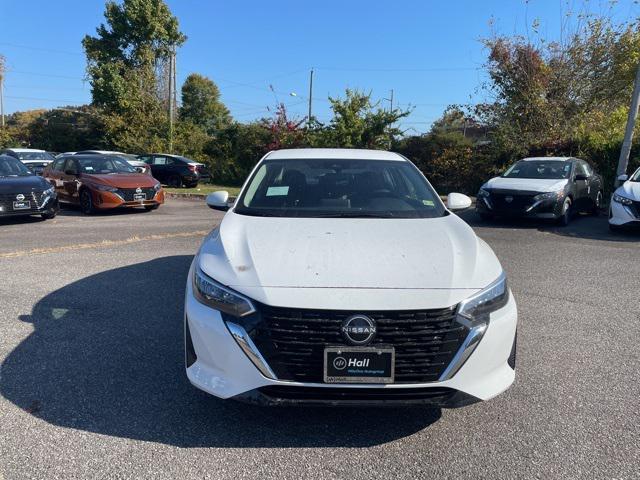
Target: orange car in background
[(102, 182)]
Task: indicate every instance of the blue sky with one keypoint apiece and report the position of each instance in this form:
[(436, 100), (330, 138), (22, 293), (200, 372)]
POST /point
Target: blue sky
[(428, 52)]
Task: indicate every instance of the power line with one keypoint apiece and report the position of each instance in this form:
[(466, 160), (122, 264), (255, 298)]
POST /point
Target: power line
[(44, 99), (40, 74), (436, 69), (39, 49)]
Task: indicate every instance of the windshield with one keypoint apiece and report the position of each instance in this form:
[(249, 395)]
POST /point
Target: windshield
[(636, 176), (543, 169), (339, 188), (10, 167), (35, 156), (103, 165)]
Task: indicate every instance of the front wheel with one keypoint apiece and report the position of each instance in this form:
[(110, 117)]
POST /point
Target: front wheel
[(49, 215), (86, 203), (565, 215)]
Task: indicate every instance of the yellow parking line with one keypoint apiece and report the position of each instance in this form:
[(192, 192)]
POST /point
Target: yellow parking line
[(102, 244)]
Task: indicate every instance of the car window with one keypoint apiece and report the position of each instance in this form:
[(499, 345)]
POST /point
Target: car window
[(339, 188), (146, 159), (11, 167), (57, 165), (171, 161), (581, 168), (71, 166), (159, 160), (542, 169)]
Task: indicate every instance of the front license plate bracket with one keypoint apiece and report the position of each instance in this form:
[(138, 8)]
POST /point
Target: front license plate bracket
[(359, 364)]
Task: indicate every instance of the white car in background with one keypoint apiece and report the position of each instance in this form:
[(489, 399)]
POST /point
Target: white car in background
[(132, 160), (34, 159), (625, 203), (340, 277)]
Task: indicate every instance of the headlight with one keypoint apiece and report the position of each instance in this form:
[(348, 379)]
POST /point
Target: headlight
[(550, 195), (478, 307), (49, 191), (483, 193), (157, 187), (212, 294), (105, 188), (623, 200)]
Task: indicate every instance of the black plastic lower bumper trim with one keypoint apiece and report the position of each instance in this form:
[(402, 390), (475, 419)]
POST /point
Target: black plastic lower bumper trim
[(376, 397)]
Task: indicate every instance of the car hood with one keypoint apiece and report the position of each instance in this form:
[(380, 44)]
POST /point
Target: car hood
[(630, 190), (129, 180), (526, 184), (22, 184), (376, 254)]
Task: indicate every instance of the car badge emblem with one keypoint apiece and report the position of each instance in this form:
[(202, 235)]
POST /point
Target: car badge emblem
[(508, 199), (138, 190), (20, 197), (359, 329)]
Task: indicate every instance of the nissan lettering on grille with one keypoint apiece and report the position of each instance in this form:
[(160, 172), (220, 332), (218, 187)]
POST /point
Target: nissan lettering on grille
[(359, 330)]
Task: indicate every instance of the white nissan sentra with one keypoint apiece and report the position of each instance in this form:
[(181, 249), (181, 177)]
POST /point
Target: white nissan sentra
[(339, 277)]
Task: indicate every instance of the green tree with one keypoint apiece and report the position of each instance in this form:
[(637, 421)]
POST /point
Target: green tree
[(359, 123), (201, 104), (138, 38)]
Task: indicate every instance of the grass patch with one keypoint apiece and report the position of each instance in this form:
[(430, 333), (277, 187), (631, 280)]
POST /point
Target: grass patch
[(204, 189)]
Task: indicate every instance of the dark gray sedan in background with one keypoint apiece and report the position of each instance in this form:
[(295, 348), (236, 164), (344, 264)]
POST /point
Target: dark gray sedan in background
[(542, 187)]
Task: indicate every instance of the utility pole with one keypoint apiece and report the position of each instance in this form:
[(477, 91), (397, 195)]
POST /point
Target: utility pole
[(1, 91), (172, 95), (310, 97), (390, 99), (623, 161), (1, 101)]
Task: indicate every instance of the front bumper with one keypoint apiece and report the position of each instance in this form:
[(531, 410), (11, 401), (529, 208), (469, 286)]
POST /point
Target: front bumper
[(623, 215), (520, 207), (217, 365), (109, 200), (51, 205)]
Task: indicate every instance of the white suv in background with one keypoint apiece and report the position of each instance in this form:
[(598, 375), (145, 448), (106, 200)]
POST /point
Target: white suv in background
[(340, 277), (625, 203)]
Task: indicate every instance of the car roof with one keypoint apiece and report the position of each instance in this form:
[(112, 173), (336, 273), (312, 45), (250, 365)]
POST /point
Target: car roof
[(558, 159), (25, 150), (100, 152), (333, 153)]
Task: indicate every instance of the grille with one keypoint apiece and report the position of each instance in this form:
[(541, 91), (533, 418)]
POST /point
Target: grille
[(519, 204), (128, 193), (292, 341), (635, 208), (7, 199)]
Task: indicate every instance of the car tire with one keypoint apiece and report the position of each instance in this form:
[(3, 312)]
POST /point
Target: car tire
[(565, 215), (486, 217), (174, 181), (49, 215), (86, 203), (150, 208), (595, 211)]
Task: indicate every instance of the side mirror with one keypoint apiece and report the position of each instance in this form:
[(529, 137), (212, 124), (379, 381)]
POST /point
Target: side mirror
[(623, 178), (458, 201), (580, 177), (218, 200)]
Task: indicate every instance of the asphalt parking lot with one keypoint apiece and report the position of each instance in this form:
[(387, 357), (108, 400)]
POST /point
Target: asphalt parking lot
[(92, 382)]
